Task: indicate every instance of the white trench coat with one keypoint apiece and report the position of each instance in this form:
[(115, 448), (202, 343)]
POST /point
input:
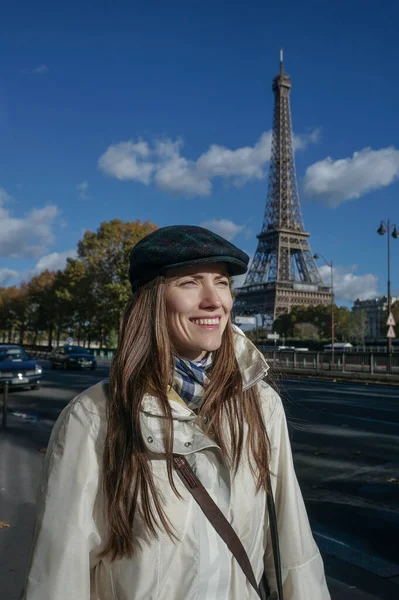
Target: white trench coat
[(71, 527)]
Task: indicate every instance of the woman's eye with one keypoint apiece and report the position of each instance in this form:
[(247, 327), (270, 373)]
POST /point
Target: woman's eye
[(223, 282), (187, 282)]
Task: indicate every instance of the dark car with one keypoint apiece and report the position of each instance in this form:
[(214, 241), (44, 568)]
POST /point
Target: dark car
[(18, 368), (69, 357)]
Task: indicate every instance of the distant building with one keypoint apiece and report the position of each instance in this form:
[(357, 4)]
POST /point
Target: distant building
[(375, 310)]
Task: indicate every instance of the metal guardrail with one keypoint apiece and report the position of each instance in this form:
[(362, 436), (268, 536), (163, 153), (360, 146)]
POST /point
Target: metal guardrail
[(345, 362), (105, 354)]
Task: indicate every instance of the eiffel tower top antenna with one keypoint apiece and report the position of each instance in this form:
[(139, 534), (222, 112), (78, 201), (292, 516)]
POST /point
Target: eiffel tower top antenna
[(281, 62)]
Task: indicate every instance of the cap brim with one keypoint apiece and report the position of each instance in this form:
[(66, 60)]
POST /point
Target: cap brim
[(234, 265)]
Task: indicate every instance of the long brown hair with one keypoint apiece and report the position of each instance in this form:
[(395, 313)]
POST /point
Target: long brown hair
[(144, 363)]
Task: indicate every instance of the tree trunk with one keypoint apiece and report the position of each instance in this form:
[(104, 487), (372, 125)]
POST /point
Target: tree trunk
[(9, 335), (50, 336)]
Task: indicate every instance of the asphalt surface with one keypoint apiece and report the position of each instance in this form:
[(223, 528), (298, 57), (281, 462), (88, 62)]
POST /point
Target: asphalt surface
[(346, 447), (345, 440)]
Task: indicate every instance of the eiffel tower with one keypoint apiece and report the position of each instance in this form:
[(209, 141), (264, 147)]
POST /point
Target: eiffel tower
[(283, 273)]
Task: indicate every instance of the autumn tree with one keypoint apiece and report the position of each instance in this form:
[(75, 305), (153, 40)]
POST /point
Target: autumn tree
[(85, 299), (105, 255), (12, 312), (43, 305)]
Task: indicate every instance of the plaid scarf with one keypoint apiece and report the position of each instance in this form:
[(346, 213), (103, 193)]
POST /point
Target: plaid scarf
[(191, 378)]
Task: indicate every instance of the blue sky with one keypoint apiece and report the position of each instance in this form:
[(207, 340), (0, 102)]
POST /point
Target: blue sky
[(163, 111)]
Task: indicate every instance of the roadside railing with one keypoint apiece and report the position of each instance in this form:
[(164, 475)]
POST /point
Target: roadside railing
[(345, 362), (45, 354)]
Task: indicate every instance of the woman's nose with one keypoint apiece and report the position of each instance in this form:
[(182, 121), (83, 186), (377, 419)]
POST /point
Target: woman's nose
[(210, 297)]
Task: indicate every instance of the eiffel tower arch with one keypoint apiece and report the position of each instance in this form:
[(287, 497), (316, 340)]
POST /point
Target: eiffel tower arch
[(283, 272)]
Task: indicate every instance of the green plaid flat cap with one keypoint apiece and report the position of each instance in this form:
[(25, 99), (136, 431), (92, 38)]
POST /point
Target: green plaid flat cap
[(182, 245)]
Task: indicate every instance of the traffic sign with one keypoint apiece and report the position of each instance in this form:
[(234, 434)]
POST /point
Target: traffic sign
[(273, 336), (391, 320), (391, 332)]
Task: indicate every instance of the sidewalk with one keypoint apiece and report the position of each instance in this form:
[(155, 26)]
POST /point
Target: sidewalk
[(21, 457)]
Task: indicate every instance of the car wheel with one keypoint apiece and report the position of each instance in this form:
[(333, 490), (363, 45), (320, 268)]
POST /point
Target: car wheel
[(93, 368), (36, 386)]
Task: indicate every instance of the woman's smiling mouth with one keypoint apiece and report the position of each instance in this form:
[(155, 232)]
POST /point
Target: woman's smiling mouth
[(207, 323)]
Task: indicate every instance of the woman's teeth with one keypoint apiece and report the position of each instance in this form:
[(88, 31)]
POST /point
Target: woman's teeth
[(206, 321)]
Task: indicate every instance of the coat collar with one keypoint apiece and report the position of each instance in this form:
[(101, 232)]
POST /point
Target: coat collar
[(253, 367)]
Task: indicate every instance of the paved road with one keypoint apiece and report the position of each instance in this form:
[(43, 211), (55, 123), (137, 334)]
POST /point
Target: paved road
[(345, 440), (346, 448)]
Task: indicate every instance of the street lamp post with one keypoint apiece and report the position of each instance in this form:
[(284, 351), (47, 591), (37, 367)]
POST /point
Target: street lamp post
[(385, 228), (330, 264)]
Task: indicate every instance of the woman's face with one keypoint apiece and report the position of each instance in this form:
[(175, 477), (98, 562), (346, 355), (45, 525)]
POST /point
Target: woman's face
[(198, 304)]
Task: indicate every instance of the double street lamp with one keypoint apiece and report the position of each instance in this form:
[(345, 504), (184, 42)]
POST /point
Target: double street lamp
[(330, 264), (382, 230)]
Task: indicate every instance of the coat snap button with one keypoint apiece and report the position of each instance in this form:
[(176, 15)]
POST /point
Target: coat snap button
[(150, 439), (187, 444)]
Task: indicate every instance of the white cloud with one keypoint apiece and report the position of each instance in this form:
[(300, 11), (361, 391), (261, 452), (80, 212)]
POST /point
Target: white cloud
[(242, 165), (52, 262), (55, 261), (26, 237), (223, 227), (337, 181), (348, 286), (6, 275), (5, 196), (239, 280), (162, 163), (301, 141), (176, 174), (126, 161), (82, 188), (39, 70)]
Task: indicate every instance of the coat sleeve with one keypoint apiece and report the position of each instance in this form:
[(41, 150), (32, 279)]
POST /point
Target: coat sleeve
[(65, 537), (302, 566)]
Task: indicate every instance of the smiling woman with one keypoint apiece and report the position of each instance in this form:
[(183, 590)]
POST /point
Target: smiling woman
[(198, 305), (186, 428)]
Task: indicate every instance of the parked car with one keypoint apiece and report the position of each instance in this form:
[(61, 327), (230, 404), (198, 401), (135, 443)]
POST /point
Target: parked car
[(69, 357), (18, 368)]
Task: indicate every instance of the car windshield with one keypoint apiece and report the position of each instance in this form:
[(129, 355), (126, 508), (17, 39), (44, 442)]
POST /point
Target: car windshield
[(14, 354), (76, 350)]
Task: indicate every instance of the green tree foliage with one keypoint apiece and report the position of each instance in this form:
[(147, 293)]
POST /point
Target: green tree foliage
[(314, 323), (12, 312), (84, 300), (105, 256), (357, 327)]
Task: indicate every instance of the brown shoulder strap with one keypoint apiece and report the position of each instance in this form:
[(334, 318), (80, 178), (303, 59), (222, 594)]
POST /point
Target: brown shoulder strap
[(274, 534), (216, 517)]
